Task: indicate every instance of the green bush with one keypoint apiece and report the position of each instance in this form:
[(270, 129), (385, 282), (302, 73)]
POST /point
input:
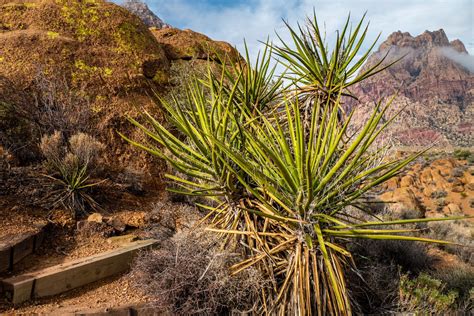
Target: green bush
[(462, 154), (425, 294)]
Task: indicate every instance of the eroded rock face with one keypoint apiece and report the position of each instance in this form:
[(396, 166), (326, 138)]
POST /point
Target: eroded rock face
[(96, 48), (433, 83)]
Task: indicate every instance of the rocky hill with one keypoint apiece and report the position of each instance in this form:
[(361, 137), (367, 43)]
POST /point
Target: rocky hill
[(434, 80), (142, 10), (85, 66)]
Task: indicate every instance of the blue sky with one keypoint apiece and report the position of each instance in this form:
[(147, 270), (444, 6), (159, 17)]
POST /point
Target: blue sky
[(254, 20)]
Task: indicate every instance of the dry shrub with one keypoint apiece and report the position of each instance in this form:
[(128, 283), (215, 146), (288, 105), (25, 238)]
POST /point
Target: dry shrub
[(57, 106), (131, 180), (375, 283), (71, 165), (86, 149), (47, 105), (460, 232), (82, 150), (189, 275)]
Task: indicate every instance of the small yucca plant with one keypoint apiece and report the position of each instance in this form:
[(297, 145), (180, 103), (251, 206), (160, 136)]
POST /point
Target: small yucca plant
[(291, 187)]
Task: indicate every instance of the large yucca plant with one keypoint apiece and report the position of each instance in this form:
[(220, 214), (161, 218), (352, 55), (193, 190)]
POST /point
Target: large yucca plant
[(306, 199), (291, 187)]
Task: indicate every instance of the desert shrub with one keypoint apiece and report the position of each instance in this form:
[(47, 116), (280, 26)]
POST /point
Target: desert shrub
[(410, 257), (374, 287), (440, 204), (462, 154), (425, 294), (438, 194), (16, 133), (460, 232), (49, 104), (58, 107), (458, 172), (131, 180), (461, 280), (71, 164), (374, 284), (190, 276)]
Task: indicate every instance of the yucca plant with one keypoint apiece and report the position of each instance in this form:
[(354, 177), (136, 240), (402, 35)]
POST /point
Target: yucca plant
[(216, 108), (318, 72), (201, 171), (306, 199), (257, 87), (291, 188)]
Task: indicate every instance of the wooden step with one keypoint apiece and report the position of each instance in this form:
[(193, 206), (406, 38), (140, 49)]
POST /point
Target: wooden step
[(73, 274), (17, 247)]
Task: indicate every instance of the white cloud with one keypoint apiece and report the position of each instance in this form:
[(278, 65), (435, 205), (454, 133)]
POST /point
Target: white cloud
[(467, 61), (254, 20)]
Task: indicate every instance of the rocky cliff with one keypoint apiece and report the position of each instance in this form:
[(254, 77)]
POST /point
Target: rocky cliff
[(434, 80)]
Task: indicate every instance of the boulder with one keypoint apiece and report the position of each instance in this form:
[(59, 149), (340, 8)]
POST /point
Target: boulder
[(188, 45), (452, 209), (402, 202)]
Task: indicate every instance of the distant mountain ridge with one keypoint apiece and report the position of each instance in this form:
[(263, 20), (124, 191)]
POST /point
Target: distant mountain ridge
[(142, 10), (434, 80)]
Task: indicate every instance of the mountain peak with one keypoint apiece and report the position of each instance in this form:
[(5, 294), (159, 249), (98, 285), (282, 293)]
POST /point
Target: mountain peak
[(141, 9), (433, 79), (458, 46), (426, 39)]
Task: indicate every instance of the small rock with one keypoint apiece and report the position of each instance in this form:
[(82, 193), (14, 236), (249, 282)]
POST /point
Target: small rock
[(132, 218), (117, 224), (95, 217), (93, 228)]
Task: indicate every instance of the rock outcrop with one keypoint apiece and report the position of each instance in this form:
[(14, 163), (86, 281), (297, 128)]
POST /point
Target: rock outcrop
[(96, 50), (431, 189), (142, 10), (432, 81), (188, 45)]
